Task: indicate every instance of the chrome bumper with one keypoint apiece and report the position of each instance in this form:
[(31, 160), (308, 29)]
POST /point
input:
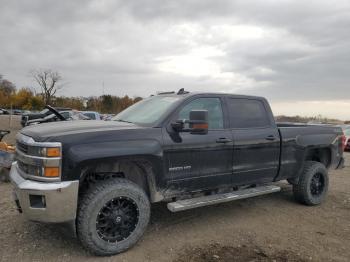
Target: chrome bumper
[(44, 201)]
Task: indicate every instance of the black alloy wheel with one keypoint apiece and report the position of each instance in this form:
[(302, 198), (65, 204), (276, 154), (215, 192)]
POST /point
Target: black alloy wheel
[(112, 216), (317, 184), (117, 219)]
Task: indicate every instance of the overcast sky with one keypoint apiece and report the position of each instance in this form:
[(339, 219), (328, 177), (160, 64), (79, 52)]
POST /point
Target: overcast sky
[(295, 53)]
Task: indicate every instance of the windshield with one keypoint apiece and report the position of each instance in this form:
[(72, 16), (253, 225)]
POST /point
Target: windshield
[(147, 111)]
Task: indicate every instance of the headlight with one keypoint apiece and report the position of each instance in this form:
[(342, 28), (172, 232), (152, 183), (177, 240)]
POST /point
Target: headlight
[(44, 151), (39, 160)]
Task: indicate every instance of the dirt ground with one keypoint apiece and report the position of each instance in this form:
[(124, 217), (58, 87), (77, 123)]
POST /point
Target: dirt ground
[(267, 228)]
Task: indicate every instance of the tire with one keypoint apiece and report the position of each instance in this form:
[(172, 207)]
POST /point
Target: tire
[(312, 186), (112, 205)]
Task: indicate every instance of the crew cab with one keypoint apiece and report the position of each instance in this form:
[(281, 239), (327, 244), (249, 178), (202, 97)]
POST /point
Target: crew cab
[(186, 149)]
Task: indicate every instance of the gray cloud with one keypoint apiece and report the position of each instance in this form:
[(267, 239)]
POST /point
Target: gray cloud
[(284, 50)]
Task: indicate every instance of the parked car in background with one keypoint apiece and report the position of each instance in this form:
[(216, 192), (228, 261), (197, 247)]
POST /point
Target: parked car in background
[(4, 112), (42, 114), (16, 112), (108, 117), (58, 116), (92, 115)]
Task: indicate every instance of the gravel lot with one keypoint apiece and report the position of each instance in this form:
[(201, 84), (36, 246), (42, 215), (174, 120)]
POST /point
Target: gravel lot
[(267, 228)]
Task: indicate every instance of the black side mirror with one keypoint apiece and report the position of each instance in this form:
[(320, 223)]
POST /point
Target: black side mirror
[(199, 122), (179, 125)]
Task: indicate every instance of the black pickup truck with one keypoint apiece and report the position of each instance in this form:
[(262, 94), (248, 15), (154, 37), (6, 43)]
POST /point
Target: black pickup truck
[(186, 149)]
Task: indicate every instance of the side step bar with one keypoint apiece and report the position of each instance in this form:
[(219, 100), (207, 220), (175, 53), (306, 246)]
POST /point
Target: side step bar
[(221, 198)]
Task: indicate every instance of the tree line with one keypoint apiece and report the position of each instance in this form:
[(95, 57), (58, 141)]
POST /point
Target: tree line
[(49, 83), (312, 119)]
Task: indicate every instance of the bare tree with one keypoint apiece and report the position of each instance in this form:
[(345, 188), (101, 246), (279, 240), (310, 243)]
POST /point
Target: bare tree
[(49, 82), (6, 86)]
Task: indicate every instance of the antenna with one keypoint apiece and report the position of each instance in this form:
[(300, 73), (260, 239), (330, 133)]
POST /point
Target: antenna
[(182, 92)]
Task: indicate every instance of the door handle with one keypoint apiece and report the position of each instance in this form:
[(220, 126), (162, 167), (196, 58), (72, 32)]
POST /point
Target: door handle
[(270, 138), (223, 140)]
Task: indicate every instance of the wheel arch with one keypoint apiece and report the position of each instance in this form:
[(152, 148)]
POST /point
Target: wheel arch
[(141, 170), (322, 155)]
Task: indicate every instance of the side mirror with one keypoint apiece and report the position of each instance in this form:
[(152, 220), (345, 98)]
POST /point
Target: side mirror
[(179, 125), (199, 122)]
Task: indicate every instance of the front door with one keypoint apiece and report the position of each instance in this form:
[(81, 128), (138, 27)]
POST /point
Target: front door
[(196, 162)]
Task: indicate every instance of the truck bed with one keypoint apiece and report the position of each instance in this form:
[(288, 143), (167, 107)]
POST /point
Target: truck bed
[(297, 139)]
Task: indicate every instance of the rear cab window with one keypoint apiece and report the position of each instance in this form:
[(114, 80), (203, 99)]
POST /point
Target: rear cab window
[(247, 113)]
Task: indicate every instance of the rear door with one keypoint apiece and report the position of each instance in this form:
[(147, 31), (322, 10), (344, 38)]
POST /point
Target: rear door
[(256, 140)]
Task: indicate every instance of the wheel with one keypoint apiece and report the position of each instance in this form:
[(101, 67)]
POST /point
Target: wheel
[(112, 216), (312, 186)]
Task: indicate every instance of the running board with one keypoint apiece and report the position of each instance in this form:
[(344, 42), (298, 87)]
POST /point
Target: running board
[(221, 198)]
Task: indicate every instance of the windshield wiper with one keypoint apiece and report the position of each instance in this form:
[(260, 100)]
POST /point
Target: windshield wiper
[(121, 120)]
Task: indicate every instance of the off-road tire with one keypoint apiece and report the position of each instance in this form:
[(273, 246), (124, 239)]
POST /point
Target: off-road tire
[(302, 190), (94, 200)]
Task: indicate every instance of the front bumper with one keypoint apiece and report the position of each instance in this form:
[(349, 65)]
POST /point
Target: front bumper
[(54, 202)]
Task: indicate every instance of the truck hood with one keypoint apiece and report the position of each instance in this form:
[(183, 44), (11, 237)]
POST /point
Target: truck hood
[(43, 132)]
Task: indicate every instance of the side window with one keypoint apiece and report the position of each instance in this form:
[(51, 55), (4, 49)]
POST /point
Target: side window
[(213, 105), (90, 115), (246, 113)]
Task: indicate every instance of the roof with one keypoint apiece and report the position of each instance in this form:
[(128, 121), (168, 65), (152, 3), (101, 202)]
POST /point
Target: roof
[(189, 94)]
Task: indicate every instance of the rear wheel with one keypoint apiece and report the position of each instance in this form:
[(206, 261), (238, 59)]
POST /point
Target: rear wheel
[(312, 186), (112, 216)]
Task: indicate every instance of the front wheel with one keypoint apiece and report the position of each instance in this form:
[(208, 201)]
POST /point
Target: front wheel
[(312, 185), (112, 217)]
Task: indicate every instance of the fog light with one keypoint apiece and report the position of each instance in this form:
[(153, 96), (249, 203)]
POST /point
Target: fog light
[(37, 201), (51, 171)]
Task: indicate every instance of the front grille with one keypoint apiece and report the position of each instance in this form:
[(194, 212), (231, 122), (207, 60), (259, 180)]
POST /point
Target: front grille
[(22, 147)]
